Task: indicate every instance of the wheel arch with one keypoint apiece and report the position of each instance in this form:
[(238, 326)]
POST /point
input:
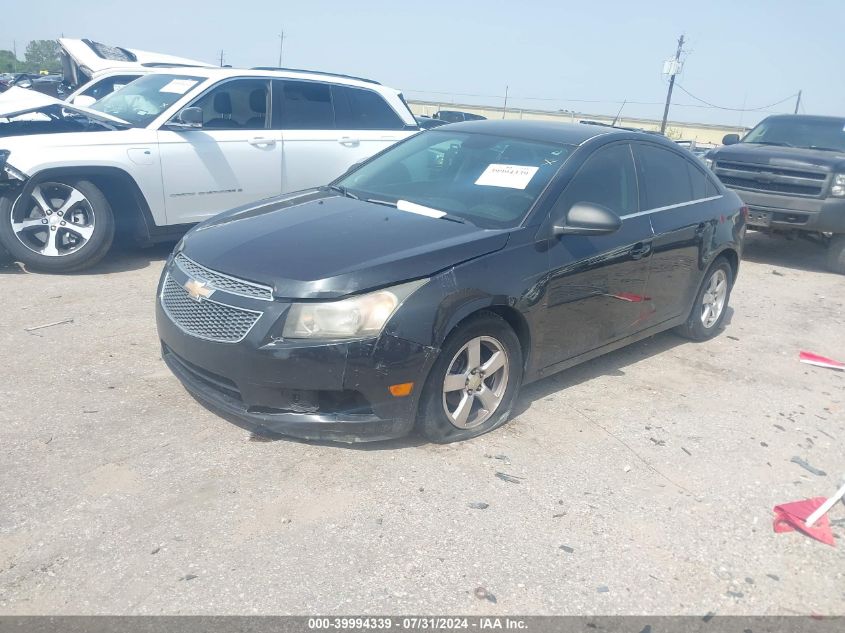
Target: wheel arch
[(131, 211), (513, 317), (732, 255)]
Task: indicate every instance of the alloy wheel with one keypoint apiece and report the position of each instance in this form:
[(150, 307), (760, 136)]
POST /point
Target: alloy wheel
[(475, 382), (56, 220), (713, 299)]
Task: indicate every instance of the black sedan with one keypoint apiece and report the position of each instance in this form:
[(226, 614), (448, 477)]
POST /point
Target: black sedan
[(423, 288)]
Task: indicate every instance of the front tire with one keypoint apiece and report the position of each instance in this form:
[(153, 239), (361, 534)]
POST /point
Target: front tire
[(64, 225), (836, 254), (711, 303), (473, 384)]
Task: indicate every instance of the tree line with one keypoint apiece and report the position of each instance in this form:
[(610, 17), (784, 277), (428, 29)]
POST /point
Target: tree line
[(40, 56)]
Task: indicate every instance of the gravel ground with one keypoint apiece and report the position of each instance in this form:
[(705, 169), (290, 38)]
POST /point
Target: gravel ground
[(642, 482)]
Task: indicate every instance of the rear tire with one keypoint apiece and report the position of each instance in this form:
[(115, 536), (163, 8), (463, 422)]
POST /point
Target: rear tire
[(65, 226), (836, 254), (473, 384), (711, 303)]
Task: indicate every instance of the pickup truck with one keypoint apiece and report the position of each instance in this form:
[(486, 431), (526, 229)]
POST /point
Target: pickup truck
[(790, 172)]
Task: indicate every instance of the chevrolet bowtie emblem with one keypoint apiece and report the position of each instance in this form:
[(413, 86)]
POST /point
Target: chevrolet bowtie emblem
[(198, 289)]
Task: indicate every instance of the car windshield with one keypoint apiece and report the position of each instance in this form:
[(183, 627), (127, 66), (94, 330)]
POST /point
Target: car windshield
[(144, 99), (490, 181), (824, 134)]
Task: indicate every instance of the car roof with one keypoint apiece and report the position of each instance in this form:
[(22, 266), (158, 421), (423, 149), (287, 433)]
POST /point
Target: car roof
[(808, 117), (225, 73), (548, 131)]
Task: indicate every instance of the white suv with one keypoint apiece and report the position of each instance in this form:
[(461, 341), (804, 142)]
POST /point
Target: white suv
[(175, 147)]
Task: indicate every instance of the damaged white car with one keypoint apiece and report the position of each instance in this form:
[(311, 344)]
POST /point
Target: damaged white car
[(173, 148)]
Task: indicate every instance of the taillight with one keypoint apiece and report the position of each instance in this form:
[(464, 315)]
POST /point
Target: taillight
[(743, 210)]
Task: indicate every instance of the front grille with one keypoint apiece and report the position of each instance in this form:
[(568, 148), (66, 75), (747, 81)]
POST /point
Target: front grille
[(774, 187), (206, 319), (799, 182), (223, 282)]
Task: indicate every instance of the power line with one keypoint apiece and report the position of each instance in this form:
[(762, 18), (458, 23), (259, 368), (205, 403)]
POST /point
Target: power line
[(711, 105), (512, 97)]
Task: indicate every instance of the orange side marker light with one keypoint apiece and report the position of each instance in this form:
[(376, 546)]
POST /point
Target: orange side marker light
[(401, 390)]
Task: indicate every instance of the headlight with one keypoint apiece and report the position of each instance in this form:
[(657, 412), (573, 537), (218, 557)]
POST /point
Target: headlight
[(838, 188), (356, 317)]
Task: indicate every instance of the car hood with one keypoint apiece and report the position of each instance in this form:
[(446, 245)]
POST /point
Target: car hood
[(318, 244), (20, 101), (777, 156), (80, 61)]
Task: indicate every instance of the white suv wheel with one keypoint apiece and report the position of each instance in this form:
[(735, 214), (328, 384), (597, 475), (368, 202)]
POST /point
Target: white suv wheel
[(56, 220), (60, 226)]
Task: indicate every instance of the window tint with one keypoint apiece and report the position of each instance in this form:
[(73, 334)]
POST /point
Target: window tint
[(302, 105), (235, 105), (665, 177), (358, 109), (607, 178), (702, 184)]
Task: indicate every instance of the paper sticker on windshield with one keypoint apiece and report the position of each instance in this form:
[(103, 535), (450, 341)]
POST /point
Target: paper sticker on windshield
[(510, 176), (179, 86)]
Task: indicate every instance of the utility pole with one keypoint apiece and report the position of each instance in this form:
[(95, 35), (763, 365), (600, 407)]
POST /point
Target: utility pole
[(798, 101), (281, 43), (674, 69), (616, 118), (505, 108), (15, 54), (221, 57)]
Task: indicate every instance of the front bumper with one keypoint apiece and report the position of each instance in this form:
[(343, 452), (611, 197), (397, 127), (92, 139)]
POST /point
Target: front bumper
[(311, 390), (769, 210)]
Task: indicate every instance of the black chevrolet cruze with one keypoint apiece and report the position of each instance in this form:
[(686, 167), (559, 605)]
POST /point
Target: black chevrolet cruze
[(425, 286)]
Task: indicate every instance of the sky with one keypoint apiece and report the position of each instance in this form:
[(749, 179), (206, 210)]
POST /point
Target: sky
[(582, 56)]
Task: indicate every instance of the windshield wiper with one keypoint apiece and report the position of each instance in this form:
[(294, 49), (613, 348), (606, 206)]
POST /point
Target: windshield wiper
[(826, 149), (778, 143), (386, 203), (343, 191), (441, 215)]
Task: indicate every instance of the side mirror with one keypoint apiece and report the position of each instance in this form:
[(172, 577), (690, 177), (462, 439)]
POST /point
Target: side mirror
[(730, 139), (26, 82), (84, 101), (585, 218), (187, 119)]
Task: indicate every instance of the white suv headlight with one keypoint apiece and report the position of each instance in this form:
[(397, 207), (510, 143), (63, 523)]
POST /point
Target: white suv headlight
[(357, 317), (838, 188)]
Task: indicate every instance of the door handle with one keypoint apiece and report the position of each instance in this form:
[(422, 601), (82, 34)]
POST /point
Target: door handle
[(260, 141), (348, 141), (640, 250)]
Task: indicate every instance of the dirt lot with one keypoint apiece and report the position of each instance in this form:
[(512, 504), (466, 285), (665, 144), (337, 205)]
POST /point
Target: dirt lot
[(646, 479)]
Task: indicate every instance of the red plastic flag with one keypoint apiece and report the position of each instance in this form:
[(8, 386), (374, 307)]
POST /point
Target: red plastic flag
[(793, 516), (820, 361)]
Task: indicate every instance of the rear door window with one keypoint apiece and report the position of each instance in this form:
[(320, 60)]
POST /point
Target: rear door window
[(702, 184), (359, 109), (664, 177), (302, 105)]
